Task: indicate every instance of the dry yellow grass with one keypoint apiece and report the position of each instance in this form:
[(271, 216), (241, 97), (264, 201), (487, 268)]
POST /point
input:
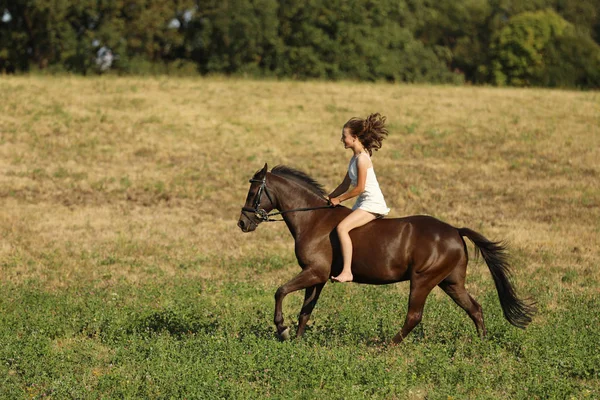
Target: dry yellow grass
[(109, 179)]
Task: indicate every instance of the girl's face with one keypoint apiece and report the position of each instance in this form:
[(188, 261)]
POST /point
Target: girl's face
[(347, 138)]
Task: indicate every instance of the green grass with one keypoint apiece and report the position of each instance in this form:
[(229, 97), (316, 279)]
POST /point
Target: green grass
[(207, 339)]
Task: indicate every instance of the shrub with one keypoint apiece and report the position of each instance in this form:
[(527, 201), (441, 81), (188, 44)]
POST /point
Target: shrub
[(573, 60), (541, 48)]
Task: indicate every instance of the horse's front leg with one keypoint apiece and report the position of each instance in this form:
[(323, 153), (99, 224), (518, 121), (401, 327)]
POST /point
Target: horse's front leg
[(310, 301), (304, 279)]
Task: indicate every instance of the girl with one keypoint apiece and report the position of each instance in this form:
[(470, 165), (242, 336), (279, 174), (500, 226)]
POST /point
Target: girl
[(362, 136)]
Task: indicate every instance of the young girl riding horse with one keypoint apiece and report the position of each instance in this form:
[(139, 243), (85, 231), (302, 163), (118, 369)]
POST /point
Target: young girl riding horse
[(362, 136)]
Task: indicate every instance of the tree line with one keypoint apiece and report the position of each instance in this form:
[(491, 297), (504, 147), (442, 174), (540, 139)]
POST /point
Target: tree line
[(552, 43)]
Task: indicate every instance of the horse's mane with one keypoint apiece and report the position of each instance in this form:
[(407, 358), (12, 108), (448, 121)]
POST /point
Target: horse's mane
[(299, 177)]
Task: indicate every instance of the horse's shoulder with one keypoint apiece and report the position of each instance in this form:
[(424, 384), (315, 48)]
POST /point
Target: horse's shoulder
[(313, 249)]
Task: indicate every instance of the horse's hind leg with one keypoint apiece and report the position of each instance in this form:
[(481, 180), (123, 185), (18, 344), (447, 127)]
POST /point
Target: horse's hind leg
[(455, 288), (416, 303), (311, 296)]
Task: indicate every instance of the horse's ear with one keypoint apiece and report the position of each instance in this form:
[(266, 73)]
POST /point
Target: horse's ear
[(261, 173)]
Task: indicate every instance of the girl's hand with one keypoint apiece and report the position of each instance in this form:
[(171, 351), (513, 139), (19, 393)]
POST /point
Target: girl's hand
[(334, 201)]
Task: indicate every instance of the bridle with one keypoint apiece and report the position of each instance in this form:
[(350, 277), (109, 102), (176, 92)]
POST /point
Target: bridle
[(258, 211), (261, 213)]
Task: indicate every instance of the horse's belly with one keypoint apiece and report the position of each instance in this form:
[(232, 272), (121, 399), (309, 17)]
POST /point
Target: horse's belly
[(367, 271), (378, 259)]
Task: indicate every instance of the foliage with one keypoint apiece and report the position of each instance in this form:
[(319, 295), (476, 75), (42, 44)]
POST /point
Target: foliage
[(479, 41), (236, 36), (520, 46), (357, 39), (573, 60)]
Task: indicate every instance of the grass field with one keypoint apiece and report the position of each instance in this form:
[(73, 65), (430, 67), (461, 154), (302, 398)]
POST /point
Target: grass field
[(123, 273)]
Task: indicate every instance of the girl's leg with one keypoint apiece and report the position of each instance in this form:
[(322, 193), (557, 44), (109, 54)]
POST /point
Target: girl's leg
[(354, 220)]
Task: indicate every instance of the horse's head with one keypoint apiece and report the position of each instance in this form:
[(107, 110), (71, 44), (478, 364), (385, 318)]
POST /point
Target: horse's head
[(259, 202)]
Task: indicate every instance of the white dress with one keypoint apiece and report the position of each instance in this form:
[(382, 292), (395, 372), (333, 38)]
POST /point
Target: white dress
[(371, 199)]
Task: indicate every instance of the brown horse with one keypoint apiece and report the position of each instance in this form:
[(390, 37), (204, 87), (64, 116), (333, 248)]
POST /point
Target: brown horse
[(421, 249)]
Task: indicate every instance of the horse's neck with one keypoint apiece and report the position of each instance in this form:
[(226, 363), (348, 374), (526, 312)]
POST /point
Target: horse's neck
[(291, 195)]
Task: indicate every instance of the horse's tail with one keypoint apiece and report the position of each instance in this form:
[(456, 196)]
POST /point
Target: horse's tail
[(516, 311)]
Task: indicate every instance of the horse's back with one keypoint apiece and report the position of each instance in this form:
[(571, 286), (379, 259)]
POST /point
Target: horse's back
[(422, 224), (425, 230), (386, 250)]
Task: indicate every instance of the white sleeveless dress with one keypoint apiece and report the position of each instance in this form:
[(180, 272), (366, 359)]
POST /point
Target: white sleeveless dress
[(371, 199)]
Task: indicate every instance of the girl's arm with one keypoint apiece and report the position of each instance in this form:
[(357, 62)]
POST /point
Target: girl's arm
[(362, 165), (341, 188)]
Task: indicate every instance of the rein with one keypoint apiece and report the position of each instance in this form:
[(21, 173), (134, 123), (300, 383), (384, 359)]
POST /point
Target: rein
[(272, 214), (260, 212)]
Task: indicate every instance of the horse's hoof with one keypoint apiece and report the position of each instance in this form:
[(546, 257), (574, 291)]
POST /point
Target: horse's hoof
[(285, 334)]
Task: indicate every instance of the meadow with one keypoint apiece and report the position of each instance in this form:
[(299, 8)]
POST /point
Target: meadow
[(123, 273)]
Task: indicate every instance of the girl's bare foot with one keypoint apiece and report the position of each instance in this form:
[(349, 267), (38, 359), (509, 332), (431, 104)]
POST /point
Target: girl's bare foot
[(343, 277)]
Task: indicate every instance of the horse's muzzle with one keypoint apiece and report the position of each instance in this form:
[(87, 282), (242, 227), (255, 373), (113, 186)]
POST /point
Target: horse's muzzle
[(245, 224)]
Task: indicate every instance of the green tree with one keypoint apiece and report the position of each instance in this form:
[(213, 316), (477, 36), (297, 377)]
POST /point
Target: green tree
[(358, 39), (538, 42), (583, 14), (151, 31), (77, 53), (573, 60), (462, 28), (531, 45), (38, 32), (234, 36)]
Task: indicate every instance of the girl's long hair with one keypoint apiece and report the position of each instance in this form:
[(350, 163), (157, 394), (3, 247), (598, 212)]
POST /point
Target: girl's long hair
[(370, 131)]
